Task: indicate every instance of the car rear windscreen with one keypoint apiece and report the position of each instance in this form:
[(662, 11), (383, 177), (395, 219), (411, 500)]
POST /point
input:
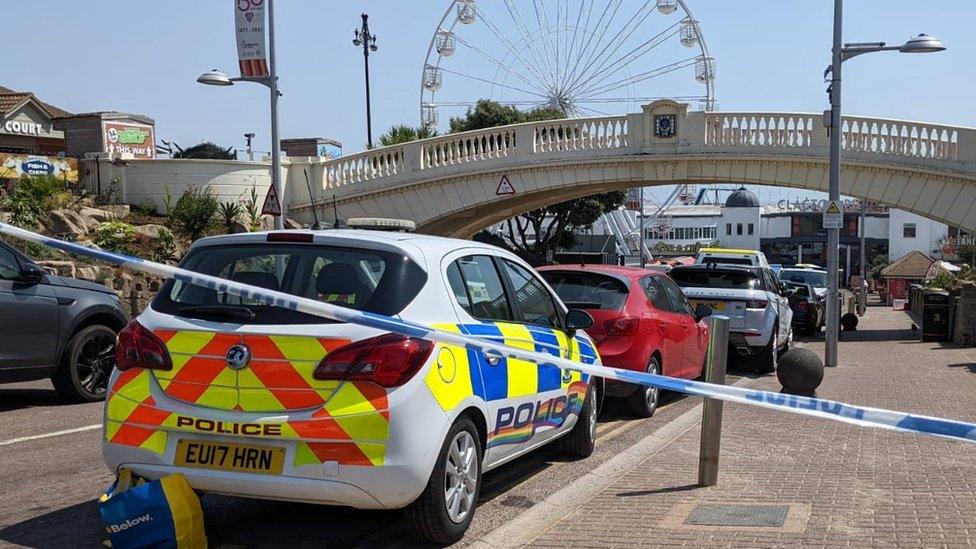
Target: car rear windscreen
[(579, 290), (817, 279), (716, 278), (727, 261), (363, 279)]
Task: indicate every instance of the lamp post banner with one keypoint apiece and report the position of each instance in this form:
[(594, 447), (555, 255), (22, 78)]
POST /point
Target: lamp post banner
[(817, 407), (251, 51)]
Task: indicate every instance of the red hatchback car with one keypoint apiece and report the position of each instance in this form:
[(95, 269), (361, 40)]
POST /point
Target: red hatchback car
[(642, 321)]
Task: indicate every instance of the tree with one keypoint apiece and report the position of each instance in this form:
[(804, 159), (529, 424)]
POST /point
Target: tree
[(551, 226), (402, 133), (878, 265), (207, 150)]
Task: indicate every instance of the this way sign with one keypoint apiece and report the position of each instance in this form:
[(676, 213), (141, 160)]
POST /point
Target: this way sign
[(833, 215), (272, 206), (505, 187)]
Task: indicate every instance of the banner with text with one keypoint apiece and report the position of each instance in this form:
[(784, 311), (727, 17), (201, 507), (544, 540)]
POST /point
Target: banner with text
[(249, 22), (14, 166)]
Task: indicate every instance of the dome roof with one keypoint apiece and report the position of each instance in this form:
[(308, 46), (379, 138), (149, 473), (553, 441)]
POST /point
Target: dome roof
[(742, 198)]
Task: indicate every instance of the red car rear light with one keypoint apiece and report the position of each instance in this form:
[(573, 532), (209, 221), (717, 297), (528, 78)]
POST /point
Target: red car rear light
[(621, 326), (290, 237), (389, 360), (756, 304), (137, 347), (803, 305)]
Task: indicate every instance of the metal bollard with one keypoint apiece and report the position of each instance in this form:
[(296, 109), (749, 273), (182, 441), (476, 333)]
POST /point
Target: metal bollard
[(711, 432)]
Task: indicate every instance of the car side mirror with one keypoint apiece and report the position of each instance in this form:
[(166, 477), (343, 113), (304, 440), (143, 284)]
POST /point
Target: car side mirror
[(578, 319), (31, 274), (702, 311), (787, 292)]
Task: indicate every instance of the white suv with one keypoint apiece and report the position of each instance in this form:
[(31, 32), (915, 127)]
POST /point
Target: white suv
[(258, 401), (757, 305)]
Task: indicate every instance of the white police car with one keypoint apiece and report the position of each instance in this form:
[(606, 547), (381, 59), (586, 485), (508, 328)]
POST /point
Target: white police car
[(267, 402)]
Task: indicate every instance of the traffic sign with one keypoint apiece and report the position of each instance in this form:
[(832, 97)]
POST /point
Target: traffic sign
[(505, 187), (272, 206), (833, 215)]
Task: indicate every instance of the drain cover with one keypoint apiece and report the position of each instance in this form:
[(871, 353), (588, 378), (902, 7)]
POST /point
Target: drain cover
[(738, 515)]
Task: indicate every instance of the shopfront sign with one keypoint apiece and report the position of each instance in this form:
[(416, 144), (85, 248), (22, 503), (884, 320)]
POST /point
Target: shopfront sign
[(665, 248), (818, 206), (249, 22), (127, 138), (15, 166), (22, 128)]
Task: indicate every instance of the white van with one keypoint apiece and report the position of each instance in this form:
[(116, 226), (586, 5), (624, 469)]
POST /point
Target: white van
[(728, 256)]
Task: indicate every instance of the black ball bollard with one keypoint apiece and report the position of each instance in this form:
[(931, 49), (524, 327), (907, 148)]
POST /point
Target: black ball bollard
[(849, 322), (800, 372)]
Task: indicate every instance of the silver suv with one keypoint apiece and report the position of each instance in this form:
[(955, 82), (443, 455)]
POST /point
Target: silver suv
[(56, 327)]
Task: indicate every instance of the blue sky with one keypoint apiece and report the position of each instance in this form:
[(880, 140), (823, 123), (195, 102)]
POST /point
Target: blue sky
[(144, 57)]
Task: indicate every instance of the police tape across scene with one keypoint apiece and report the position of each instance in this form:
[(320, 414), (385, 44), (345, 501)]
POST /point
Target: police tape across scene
[(858, 415)]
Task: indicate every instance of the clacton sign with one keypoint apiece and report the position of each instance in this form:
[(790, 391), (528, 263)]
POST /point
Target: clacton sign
[(127, 138)]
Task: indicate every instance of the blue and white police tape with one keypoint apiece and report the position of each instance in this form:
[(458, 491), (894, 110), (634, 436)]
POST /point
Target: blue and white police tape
[(858, 415)]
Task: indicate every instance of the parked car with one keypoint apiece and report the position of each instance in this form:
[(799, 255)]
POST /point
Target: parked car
[(759, 312), (815, 277), (809, 307), (728, 256), (338, 413), (57, 327), (642, 322)]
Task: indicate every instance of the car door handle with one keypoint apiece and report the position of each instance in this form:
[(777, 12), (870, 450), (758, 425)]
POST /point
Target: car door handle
[(493, 360)]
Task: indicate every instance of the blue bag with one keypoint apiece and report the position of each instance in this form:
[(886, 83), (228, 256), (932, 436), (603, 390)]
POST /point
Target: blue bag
[(156, 514)]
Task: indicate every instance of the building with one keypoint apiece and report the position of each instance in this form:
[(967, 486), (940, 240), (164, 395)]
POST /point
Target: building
[(907, 270), (27, 125)]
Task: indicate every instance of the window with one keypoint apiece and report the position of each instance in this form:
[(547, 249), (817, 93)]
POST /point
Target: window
[(908, 230), (738, 229), (9, 266), (717, 277), (358, 278), (535, 303), (458, 288), (728, 229), (679, 303), (751, 229), (484, 287), (587, 290), (656, 293)]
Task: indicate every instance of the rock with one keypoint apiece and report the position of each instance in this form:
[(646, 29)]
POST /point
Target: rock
[(5, 217), (292, 224), (267, 223), (88, 273), (800, 371), (60, 268), (120, 211), (66, 222), (237, 227), (94, 216), (151, 231)]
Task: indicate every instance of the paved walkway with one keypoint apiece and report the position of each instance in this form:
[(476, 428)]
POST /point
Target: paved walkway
[(840, 485)]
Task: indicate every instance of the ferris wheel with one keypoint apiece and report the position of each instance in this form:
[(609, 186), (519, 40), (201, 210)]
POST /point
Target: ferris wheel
[(584, 57)]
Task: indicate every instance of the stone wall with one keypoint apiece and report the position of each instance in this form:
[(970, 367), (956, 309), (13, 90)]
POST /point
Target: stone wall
[(964, 331), (135, 290)]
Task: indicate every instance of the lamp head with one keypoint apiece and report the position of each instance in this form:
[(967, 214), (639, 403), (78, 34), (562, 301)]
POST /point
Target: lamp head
[(215, 78), (922, 43)]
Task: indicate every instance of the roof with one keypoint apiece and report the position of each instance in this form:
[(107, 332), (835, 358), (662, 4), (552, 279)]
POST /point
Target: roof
[(619, 270), (914, 264), (10, 99), (742, 198)]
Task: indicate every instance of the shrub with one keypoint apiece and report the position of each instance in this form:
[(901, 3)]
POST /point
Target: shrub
[(116, 236), (228, 212), (251, 208), (30, 197), (146, 208), (193, 214)]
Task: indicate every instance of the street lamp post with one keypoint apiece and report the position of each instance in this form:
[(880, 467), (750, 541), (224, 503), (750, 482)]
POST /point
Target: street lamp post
[(218, 78), (842, 52), (368, 42)]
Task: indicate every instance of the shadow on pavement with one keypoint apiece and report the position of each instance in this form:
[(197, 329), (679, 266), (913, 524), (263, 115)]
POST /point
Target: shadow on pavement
[(682, 488), (971, 366), (76, 526), (17, 399)]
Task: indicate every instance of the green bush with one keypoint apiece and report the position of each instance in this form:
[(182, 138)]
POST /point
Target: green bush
[(116, 236), (31, 197), (193, 214), (229, 212)]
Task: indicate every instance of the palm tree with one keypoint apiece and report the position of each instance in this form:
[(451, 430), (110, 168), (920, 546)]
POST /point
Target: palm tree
[(402, 133)]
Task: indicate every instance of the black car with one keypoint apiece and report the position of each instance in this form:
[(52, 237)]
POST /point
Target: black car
[(57, 327), (808, 307)]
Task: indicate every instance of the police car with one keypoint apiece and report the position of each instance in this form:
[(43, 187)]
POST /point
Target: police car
[(266, 402)]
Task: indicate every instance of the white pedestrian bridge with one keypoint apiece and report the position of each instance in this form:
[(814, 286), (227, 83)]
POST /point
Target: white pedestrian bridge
[(450, 185)]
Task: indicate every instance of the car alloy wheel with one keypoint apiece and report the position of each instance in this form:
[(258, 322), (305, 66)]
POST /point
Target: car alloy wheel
[(591, 417), (94, 363), (652, 393), (460, 476)]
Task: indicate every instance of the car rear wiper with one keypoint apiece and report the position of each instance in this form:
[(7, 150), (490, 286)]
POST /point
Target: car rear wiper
[(228, 311)]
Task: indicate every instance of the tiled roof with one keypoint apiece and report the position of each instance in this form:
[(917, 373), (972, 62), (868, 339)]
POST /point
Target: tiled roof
[(914, 264), (10, 99)]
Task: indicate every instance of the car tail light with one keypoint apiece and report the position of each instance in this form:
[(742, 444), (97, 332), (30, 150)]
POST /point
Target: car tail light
[(621, 326), (803, 305), (290, 237), (756, 304), (137, 347), (389, 360)]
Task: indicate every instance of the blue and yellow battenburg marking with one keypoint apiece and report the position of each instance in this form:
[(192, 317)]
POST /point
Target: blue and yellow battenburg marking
[(859, 415)]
